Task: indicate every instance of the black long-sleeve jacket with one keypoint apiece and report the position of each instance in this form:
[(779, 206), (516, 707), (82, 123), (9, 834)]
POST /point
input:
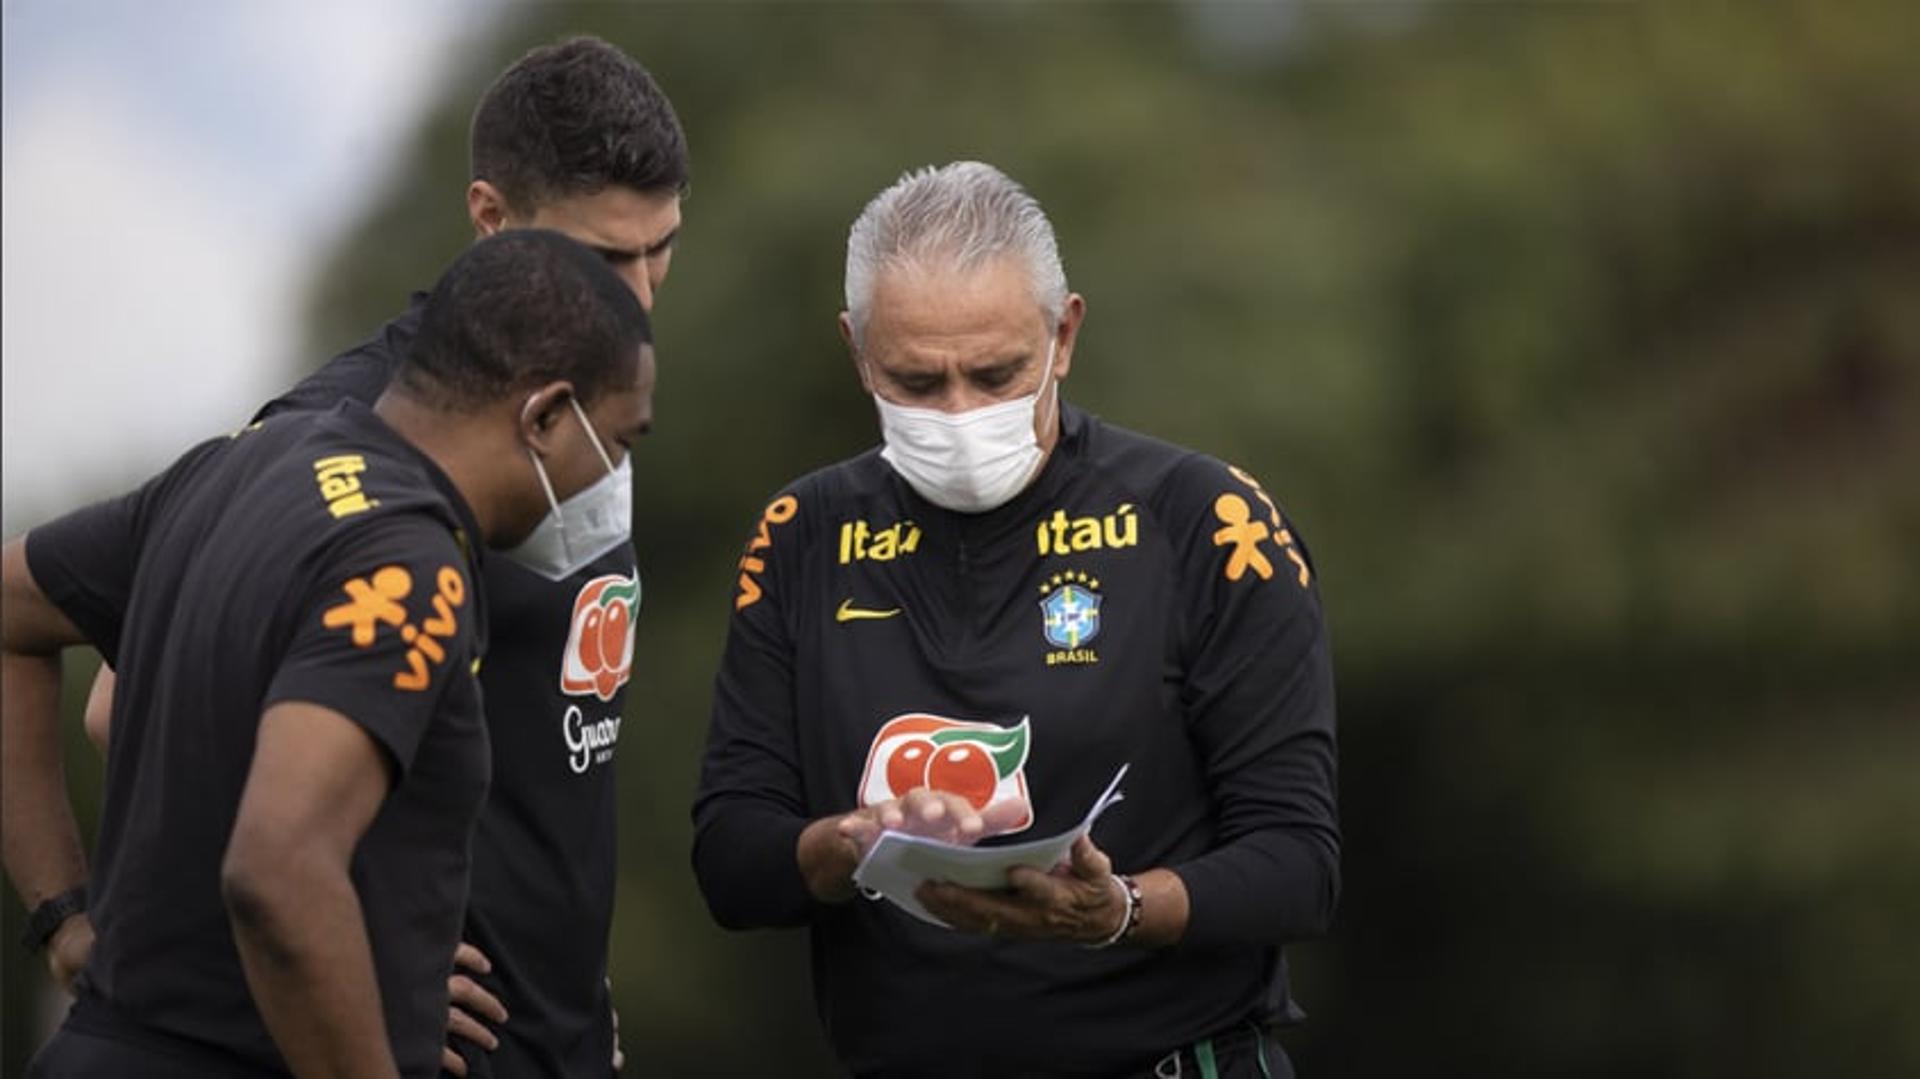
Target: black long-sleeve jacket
[(1139, 603)]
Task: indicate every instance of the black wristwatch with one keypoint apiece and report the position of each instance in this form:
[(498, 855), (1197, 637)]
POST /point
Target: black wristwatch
[(46, 918)]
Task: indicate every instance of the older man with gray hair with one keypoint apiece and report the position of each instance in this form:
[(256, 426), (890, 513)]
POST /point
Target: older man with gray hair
[(963, 634)]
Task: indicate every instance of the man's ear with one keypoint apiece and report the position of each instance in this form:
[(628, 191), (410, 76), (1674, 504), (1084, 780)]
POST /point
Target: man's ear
[(846, 334), (486, 208), (541, 414), (1067, 334)]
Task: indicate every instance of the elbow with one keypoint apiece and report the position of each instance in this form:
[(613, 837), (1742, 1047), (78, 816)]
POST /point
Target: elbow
[(733, 918), (748, 885), (97, 724), (1318, 915), (245, 889), (256, 890), (98, 717), (728, 902), (1321, 922), (746, 860)]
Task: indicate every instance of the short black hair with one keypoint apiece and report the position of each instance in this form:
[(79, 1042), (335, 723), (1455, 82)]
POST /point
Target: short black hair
[(572, 118), (518, 310)]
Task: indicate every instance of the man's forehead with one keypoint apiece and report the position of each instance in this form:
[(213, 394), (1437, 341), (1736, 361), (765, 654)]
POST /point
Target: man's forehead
[(629, 400), (640, 374), (614, 217), (985, 309)]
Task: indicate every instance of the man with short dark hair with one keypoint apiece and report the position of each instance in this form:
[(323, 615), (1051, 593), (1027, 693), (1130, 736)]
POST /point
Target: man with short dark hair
[(576, 137), (298, 756)]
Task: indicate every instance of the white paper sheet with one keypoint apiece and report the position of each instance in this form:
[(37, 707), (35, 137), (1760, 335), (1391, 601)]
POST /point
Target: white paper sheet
[(898, 863)]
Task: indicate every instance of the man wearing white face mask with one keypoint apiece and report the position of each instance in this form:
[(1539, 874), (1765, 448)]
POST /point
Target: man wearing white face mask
[(584, 527), (575, 137), (298, 755), (964, 634)]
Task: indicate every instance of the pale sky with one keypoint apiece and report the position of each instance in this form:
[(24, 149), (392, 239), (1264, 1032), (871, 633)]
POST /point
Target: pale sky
[(173, 172)]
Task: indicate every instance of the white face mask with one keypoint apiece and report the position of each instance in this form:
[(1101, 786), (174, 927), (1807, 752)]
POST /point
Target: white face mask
[(592, 522), (969, 462)]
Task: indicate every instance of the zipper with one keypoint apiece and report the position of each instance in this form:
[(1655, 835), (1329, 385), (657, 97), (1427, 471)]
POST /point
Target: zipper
[(966, 593)]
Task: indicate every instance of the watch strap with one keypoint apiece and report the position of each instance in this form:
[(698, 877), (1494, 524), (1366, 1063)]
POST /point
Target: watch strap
[(47, 918)]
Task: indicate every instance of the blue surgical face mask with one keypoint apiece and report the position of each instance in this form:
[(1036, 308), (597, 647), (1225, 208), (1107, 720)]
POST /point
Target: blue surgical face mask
[(592, 522)]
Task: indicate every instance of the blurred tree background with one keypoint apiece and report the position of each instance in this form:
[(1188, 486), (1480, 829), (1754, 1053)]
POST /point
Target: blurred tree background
[(1583, 340)]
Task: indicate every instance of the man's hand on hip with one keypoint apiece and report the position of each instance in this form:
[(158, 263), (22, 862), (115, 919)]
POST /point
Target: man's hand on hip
[(469, 1004)]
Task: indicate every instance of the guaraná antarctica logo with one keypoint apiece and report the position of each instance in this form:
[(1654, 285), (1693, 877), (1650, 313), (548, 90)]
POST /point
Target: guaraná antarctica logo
[(597, 662), (981, 762), (599, 655)]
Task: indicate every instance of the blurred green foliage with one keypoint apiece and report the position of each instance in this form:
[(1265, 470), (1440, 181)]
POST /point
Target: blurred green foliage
[(1582, 341)]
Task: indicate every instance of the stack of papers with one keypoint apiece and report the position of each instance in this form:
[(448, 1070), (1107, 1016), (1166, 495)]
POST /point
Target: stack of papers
[(898, 863)]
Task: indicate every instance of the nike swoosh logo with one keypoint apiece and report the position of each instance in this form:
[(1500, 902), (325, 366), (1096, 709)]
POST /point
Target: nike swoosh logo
[(849, 613)]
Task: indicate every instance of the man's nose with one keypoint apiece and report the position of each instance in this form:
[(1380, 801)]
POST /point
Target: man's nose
[(961, 397), (641, 282)]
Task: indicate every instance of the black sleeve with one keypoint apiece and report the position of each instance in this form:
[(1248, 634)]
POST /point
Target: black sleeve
[(85, 561), (1257, 694), (387, 623), (751, 805)]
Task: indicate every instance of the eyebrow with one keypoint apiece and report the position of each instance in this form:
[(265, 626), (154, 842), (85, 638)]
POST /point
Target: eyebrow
[(664, 242), (623, 254), (1007, 367)]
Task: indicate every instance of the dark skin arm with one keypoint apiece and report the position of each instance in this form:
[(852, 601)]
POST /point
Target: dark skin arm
[(470, 1000), (99, 712), (39, 837), (316, 783)]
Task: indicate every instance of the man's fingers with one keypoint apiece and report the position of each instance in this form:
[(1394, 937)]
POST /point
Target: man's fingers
[(468, 957), (963, 908), (852, 825), (67, 952), (1003, 815), (451, 1062), (859, 830), (924, 808), (924, 811), (469, 994), (63, 975), (619, 1054), (1090, 862), (466, 1026), (1030, 883)]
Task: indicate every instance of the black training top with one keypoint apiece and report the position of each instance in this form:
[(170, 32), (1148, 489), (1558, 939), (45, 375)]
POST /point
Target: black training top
[(1138, 604), (316, 558), (544, 856)]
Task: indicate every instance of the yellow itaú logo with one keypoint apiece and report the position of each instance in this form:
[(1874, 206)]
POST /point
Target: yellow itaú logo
[(849, 613), (339, 480)]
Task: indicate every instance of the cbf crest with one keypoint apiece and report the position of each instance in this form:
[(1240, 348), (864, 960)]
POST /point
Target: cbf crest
[(1070, 617)]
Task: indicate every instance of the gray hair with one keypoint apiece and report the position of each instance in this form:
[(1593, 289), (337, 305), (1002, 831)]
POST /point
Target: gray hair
[(964, 214)]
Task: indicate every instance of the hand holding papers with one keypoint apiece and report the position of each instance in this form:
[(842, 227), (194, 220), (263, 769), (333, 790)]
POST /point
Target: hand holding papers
[(898, 863)]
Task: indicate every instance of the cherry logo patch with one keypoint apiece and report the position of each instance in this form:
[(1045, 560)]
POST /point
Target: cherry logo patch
[(981, 762)]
